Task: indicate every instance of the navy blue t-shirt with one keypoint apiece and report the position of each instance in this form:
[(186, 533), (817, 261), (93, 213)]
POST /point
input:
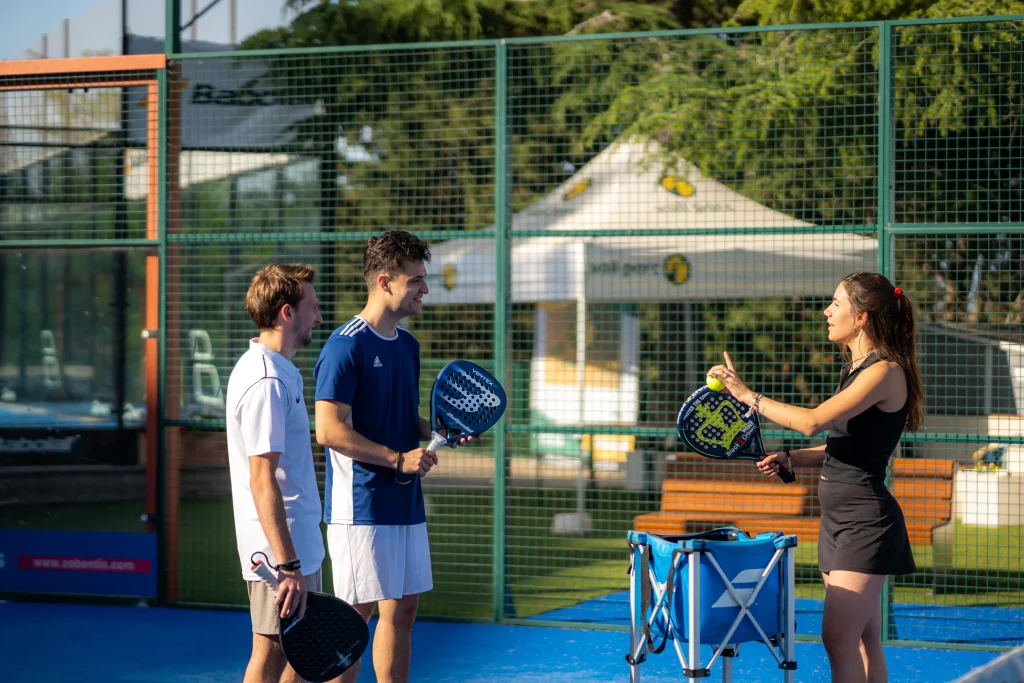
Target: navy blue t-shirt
[(379, 377)]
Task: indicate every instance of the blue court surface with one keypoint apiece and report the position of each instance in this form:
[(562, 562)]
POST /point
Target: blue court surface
[(980, 625), (80, 415), (46, 642)]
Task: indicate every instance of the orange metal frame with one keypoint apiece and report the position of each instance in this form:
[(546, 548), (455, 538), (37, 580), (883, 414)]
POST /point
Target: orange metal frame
[(135, 70), (94, 66)]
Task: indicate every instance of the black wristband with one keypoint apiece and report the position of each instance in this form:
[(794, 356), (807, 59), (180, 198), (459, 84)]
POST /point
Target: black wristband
[(290, 565), (789, 458)]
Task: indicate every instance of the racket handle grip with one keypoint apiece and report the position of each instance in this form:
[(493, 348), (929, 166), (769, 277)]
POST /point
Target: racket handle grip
[(266, 573), (786, 475), (436, 441)]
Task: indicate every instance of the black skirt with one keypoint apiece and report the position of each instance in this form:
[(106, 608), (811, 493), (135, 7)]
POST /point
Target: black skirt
[(862, 530)]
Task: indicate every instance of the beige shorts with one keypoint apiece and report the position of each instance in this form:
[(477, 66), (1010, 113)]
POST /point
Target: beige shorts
[(264, 611)]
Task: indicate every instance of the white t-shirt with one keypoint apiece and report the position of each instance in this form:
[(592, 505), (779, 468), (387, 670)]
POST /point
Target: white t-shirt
[(266, 412)]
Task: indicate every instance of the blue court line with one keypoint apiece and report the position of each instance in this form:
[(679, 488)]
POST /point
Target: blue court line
[(51, 643), (985, 625), (47, 415)]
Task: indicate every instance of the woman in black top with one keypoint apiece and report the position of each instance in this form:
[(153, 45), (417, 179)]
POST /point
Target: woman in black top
[(862, 536)]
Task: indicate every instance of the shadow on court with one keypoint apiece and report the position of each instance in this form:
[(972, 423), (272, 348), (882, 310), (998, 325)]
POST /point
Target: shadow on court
[(980, 625), (47, 642)]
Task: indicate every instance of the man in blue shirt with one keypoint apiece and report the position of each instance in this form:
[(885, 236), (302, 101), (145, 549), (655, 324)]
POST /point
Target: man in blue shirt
[(367, 417)]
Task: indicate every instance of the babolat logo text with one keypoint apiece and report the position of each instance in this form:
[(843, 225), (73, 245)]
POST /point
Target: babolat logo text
[(458, 422), (49, 445)]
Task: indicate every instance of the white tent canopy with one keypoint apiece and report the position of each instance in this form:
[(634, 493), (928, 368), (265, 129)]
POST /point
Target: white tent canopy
[(624, 189)]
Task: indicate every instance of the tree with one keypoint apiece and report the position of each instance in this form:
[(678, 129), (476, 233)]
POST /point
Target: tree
[(426, 117), (786, 117)]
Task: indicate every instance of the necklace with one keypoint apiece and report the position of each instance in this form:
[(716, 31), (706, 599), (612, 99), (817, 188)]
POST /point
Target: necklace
[(864, 356)]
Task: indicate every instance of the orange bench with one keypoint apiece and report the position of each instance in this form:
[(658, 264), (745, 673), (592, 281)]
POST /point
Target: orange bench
[(698, 493)]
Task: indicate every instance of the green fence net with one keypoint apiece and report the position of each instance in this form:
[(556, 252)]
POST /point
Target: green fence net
[(606, 215)]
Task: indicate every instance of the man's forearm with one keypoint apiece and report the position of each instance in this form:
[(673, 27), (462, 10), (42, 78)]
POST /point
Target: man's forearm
[(270, 510), (341, 437), (425, 430)]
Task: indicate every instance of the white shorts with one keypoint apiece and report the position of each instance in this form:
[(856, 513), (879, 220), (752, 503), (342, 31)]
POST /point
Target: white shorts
[(373, 563)]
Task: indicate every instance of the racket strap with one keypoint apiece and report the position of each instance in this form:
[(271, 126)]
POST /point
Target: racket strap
[(645, 598), (645, 588)]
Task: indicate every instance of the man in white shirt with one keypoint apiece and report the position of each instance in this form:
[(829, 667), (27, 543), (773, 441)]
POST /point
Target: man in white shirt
[(274, 490)]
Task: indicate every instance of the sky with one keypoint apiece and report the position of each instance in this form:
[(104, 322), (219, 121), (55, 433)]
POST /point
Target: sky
[(25, 22), (96, 24)]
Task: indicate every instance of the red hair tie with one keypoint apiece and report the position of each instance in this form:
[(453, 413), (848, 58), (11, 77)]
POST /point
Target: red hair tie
[(897, 293)]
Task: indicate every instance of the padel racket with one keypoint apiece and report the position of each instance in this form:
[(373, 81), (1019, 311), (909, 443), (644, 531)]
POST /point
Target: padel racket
[(466, 400), (717, 425), (329, 638)]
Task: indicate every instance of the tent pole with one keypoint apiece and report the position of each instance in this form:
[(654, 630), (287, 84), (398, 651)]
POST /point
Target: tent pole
[(583, 523), (581, 385), (578, 522)]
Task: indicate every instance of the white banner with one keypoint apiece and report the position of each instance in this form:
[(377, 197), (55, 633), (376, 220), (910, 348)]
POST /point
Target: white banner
[(226, 103)]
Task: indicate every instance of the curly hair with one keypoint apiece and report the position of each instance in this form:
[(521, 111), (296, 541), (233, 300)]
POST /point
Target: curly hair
[(389, 253)]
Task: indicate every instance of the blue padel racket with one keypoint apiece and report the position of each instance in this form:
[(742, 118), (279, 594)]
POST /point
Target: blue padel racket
[(466, 400), (329, 638), (716, 425)]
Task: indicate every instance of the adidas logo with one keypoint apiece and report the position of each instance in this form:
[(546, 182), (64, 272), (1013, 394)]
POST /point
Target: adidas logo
[(377, 363)]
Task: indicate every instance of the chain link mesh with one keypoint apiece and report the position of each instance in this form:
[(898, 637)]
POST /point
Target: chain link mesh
[(664, 198)]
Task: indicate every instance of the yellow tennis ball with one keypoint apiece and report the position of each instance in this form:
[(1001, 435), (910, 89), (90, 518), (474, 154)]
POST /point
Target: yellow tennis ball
[(714, 384)]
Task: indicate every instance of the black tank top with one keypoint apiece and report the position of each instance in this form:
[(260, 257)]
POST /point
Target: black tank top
[(858, 451)]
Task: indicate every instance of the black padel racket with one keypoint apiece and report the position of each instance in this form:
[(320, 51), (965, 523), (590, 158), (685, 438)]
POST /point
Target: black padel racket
[(717, 425), (466, 400), (329, 638)]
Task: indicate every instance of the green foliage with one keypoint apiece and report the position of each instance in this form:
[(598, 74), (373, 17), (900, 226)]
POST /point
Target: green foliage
[(778, 12), (788, 118), (409, 21), (969, 8), (431, 114), (785, 118)]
